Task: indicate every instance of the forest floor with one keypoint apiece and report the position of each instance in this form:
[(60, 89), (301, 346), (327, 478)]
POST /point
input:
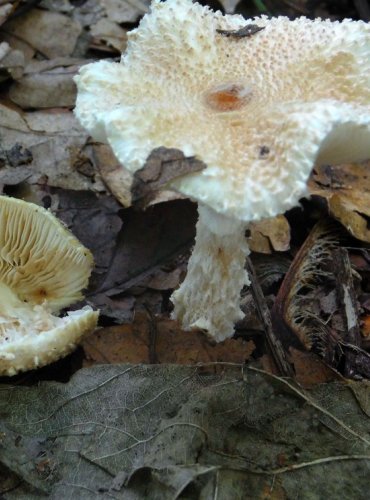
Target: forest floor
[(143, 409)]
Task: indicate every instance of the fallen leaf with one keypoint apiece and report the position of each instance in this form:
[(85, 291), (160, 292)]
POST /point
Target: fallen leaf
[(162, 166), (310, 370), (114, 175), (56, 144), (110, 34), (365, 326), (125, 11), (131, 344), (39, 28), (12, 62), (270, 234), (147, 241), (125, 430), (346, 188), (51, 87)]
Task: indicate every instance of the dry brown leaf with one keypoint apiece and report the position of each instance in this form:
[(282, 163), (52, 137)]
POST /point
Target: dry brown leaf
[(110, 34), (270, 234), (125, 11), (133, 344), (54, 143), (162, 166), (346, 188), (163, 280), (119, 180), (310, 370), (116, 177), (50, 88), (39, 29), (118, 344), (365, 326)]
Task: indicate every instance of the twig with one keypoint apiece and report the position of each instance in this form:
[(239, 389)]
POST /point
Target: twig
[(347, 297), (153, 333), (274, 344)]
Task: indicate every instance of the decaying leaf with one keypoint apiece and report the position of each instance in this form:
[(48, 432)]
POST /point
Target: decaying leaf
[(295, 315), (110, 34), (47, 84), (11, 62), (346, 188), (166, 432), (117, 179), (125, 11), (56, 144), (162, 166), (310, 370), (45, 90), (39, 28), (146, 242), (270, 234), (147, 340)]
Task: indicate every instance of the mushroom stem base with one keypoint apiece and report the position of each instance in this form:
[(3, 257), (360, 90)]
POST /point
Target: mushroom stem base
[(209, 297)]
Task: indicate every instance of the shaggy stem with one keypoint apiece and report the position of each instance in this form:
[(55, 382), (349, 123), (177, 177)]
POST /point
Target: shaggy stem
[(209, 297)]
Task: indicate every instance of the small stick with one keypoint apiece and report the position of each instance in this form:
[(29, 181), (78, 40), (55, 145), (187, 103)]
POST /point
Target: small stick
[(274, 344), (347, 297), (153, 333)]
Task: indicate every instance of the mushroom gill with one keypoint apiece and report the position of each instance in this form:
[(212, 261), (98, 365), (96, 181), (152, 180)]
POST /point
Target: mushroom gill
[(43, 268)]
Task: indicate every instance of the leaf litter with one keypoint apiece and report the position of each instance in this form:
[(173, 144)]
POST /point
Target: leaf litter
[(134, 422)]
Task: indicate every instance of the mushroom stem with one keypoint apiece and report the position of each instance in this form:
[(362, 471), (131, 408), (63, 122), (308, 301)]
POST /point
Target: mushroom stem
[(209, 297)]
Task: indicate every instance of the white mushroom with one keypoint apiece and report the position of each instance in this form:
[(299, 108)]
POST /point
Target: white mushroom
[(260, 110), (43, 268)]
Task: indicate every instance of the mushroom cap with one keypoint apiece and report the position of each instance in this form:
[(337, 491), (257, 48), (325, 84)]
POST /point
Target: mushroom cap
[(43, 268), (29, 349), (259, 110), (40, 260)]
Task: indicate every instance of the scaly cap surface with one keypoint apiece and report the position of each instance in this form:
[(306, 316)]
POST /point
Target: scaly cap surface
[(260, 111)]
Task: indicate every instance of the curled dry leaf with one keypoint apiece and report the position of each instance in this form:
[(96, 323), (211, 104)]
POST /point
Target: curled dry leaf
[(107, 33), (162, 166), (145, 186), (270, 234), (117, 179), (346, 189)]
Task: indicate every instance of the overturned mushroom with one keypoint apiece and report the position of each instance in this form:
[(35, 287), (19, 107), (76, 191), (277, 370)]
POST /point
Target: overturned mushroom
[(259, 109), (43, 268)]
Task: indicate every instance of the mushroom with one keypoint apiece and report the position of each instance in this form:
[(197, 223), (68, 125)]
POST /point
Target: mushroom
[(260, 102), (43, 268)]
